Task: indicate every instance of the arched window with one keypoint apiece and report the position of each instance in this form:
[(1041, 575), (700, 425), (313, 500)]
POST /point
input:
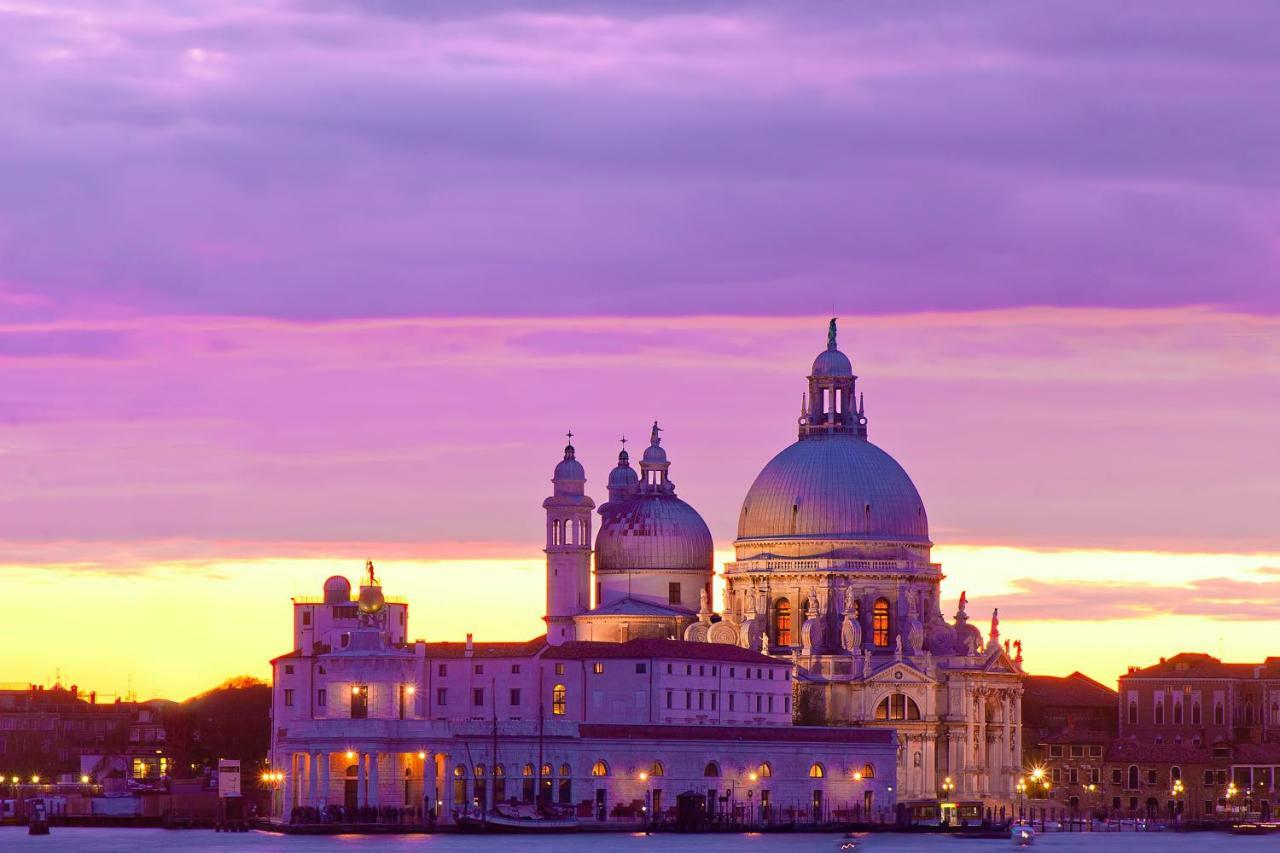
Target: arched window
[(880, 623), (547, 770), (479, 771), (457, 770), (1159, 713), (897, 707), (868, 771), (1133, 777), (599, 769), (765, 770), (657, 769), (712, 769), (817, 771), (527, 770), (1195, 713), (1175, 773), (1219, 715), (1177, 713), (782, 622), (565, 770), (559, 701)]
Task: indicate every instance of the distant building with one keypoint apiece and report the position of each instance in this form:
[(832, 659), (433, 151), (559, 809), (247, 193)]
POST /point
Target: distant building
[(60, 732), (1054, 706)]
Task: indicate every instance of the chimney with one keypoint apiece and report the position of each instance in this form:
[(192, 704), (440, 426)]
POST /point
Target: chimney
[(471, 646)]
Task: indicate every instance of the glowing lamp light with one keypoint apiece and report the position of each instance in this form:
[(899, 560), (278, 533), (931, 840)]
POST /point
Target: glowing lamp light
[(1037, 773), (35, 780), (422, 755), (409, 689), (643, 776), (754, 776), (857, 775), (355, 690), (351, 753), (84, 780)]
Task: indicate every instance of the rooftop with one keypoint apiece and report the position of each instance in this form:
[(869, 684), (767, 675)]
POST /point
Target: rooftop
[(1074, 690), (793, 734), (1195, 665), (648, 648)]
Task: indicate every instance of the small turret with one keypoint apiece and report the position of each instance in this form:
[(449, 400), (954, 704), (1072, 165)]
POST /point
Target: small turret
[(623, 479)]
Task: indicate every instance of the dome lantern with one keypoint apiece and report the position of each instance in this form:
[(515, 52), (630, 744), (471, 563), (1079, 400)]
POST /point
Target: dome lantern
[(829, 406)]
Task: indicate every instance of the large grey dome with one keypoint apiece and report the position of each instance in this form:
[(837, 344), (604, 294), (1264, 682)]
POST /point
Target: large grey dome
[(653, 531), (834, 486)]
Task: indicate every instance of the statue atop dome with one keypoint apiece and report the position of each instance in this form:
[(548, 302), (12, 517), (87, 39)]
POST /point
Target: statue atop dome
[(831, 334)]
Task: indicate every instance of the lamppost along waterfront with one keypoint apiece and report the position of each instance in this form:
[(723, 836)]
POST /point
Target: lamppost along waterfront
[(1022, 790), (648, 801)]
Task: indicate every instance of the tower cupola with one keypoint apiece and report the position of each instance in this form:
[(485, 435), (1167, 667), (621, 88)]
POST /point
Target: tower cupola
[(829, 408)]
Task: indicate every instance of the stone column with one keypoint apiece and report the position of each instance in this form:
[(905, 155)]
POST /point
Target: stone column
[(313, 777), (325, 791), (428, 784), (362, 785), (373, 780), (286, 790)]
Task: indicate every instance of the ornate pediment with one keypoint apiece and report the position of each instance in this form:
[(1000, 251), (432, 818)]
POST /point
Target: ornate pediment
[(898, 672)]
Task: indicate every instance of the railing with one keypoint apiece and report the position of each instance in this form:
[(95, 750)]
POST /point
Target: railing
[(783, 564)]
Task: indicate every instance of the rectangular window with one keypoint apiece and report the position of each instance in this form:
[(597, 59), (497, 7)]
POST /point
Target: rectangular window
[(786, 704), (477, 697), (1117, 776), (359, 701), (442, 696), (673, 593), (306, 617), (288, 669), (1208, 777), (688, 700), (770, 704), (642, 668), (1095, 752), (702, 670), (688, 669), (702, 700), (713, 671), (288, 697), (515, 696), (730, 701), (442, 670), (668, 698), (515, 669), (1077, 751), (733, 672), (598, 668), (713, 701), (758, 704), (1055, 750), (322, 696), (1055, 775), (559, 669), (1073, 776), (478, 669), (668, 669)]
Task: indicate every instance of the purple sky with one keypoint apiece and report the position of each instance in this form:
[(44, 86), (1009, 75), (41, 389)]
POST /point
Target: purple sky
[(299, 279)]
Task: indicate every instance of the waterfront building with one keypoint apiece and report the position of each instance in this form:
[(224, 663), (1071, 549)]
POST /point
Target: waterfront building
[(609, 730), (831, 644)]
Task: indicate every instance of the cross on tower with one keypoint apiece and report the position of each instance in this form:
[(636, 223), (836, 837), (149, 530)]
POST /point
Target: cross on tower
[(570, 435), (624, 442)]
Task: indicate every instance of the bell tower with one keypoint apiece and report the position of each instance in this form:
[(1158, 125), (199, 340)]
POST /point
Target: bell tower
[(568, 548)]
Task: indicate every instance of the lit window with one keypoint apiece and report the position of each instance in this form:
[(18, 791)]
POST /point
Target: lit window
[(597, 668), (600, 769), (880, 623), (288, 697), (559, 703), (782, 622), (817, 771)]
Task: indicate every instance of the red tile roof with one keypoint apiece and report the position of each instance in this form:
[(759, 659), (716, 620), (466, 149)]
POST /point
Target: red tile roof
[(525, 649), (791, 734), (1256, 753), (646, 648), (1075, 690), (1128, 749), (1194, 665)]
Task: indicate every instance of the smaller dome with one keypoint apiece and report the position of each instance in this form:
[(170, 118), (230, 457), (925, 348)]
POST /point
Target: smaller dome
[(371, 599), (624, 475), (337, 590), (832, 362), (655, 455), (569, 468)]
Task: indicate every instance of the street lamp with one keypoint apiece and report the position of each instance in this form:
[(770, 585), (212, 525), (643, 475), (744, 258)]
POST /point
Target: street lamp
[(1022, 790), (648, 801)]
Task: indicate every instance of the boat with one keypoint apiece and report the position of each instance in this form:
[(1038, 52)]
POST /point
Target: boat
[(514, 819), (1253, 829), (38, 818), (1022, 835)]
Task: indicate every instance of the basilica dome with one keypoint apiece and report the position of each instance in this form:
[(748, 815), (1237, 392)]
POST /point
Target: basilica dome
[(834, 486), (653, 531)]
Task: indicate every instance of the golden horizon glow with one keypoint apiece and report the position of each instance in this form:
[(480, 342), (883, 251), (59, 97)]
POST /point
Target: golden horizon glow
[(259, 592)]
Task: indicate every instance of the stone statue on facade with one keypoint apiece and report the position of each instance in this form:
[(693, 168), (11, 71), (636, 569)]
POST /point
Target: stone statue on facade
[(851, 634), (811, 630)]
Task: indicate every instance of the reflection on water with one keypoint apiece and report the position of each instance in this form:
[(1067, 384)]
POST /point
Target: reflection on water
[(66, 840)]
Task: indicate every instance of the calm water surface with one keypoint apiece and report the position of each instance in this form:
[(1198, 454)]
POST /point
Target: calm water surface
[(206, 841)]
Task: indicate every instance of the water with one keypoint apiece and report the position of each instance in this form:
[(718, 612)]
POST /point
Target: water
[(66, 839)]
